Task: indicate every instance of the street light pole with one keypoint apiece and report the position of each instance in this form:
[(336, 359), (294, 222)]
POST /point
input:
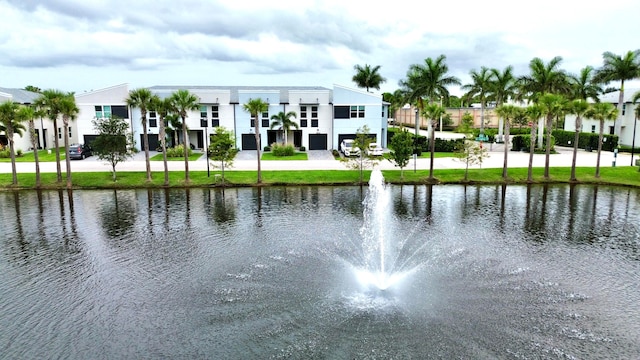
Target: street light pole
[(206, 147)]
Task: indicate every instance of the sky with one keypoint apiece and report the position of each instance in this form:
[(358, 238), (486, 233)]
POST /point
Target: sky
[(84, 45)]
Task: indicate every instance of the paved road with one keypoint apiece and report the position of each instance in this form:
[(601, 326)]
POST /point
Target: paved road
[(323, 160)]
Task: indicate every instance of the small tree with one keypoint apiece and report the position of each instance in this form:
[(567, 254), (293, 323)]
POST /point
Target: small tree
[(470, 153), (466, 124), (401, 150), (363, 161), (223, 148), (112, 144)]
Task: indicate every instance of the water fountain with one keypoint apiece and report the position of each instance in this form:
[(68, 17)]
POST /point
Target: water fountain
[(384, 258)]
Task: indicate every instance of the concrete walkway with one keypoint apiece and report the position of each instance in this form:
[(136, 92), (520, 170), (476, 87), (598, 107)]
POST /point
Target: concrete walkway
[(323, 160)]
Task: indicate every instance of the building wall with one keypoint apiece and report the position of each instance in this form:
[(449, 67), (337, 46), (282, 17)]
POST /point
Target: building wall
[(407, 116)]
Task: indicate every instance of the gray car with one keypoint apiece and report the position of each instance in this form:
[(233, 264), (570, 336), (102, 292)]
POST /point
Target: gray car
[(79, 151)]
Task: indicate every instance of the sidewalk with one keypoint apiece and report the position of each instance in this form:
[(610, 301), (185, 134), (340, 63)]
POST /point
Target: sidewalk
[(323, 160)]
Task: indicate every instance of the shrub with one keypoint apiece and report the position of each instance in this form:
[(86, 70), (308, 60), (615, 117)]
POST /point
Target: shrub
[(177, 151), (4, 154), (267, 148), (302, 148), (282, 150)]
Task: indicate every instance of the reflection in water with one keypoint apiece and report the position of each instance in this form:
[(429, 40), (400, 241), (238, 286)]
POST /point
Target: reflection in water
[(526, 271)]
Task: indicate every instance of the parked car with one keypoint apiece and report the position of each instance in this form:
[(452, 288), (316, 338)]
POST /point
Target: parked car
[(79, 151), (374, 150), (348, 149)]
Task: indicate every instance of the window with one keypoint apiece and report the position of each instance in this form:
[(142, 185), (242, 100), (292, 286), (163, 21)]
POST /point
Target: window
[(215, 116), (203, 122), (69, 131), (103, 111), (253, 121), (314, 122), (314, 116), (153, 121), (624, 108), (203, 112), (611, 130), (59, 133), (341, 112), (593, 129), (357, 112), (303, 116), (265, 119)]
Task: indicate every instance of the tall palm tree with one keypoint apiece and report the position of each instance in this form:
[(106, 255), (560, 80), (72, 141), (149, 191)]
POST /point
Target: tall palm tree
[(508, 113), (284, 121), (142, 99), (69, 111), (579, 108), (552, 106), (481, 83), (534, 113), (183, 101), (397, 99), (545, 78), (368, 77), (583, 85), (619, 68), (502, 87), (27, 114), (255, 107), (428, 82), (11, 125), (163, 107), (49, 104), (601, 112), (433, 112), (635, 99)]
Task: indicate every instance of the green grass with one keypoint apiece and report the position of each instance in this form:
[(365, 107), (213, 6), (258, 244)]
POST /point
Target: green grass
[(297, 156), (43, 156), (192, 157), (623, 175)]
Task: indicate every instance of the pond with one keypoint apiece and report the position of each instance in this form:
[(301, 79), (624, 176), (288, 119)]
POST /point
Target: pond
[(286, 272)]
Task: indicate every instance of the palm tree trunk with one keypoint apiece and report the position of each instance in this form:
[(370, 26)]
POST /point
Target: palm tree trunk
[(32, 133), (12, 154), (163, 145), (532, 145), (548, 147), (507, 130), (576, 138), (65, 122), (185, 138), (56, 144), (145, 145), (432, 149), (617, 124), (600, 136)]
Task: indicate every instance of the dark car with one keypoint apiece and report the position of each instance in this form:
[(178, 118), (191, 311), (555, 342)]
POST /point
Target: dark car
[(79, 151)]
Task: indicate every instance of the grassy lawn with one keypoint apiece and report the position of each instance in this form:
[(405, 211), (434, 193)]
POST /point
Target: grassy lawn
[(43, 156), (623, 175), (192, 157), (296, 156)]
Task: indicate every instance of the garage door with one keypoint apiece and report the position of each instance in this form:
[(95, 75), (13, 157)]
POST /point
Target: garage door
[(249, 142), (317, 141)]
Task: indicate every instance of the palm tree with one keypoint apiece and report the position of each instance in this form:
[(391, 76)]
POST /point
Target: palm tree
[(601, 112), (27, 114), (142, 99), (579, 108), (182, 102), (428, 82), (619, 68), (480, 88), (163, 107), (508, 113), (255, 107), (49, 104), (552, 106), (502, 87), (10, 124), (368, 77), (583, 85), (433, 113), (69, 111), (534, 113), (544, 78), (397, 99), (635, 99), (284, 121)]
